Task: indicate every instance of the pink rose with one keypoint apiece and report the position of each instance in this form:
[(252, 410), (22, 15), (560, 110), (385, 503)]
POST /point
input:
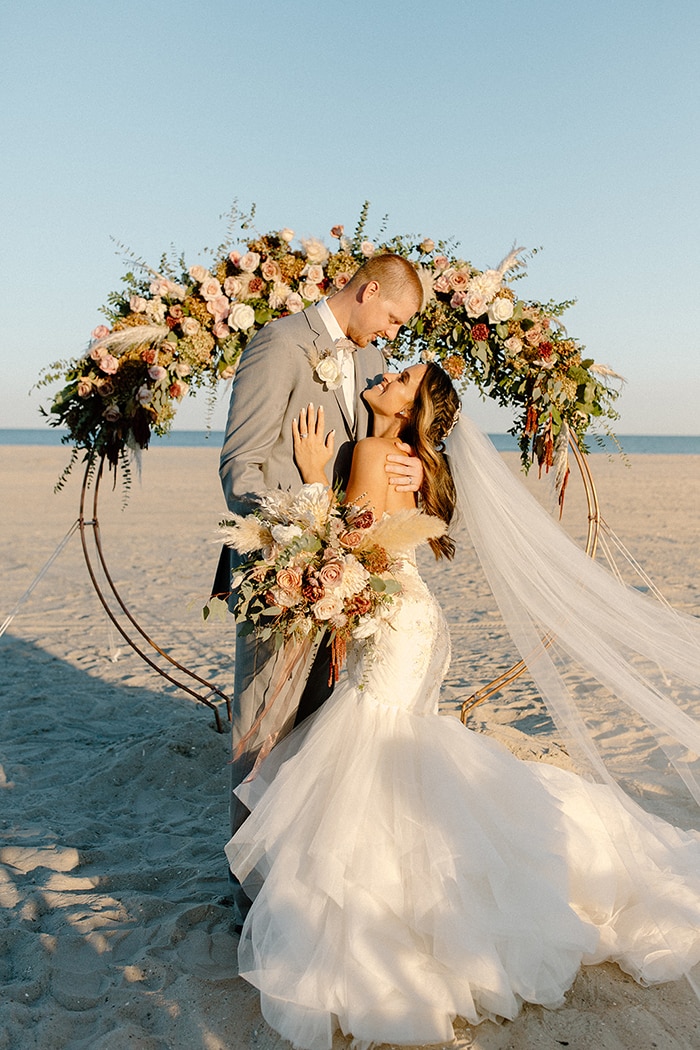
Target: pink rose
[(157, 373), (100, 332), (97, 353), (149, 355), (182, 369), (309, 291), (109, 364), (159, 286), (327, 607), (331, 574), (270, 270), (232, 286), (341, 279), (427, 246), (219, 307), (457, 300), (190, 326), (199, 273), (441, 283), (337, 231), (176, 312), (351, 538), (210, 288), (84, 387), (249, 262), (475, 304), (178, 389), (137, 304), (367, 249), (289, 580), (441, 262), (315, 274), (459, 279), (144, 395), (111, 414), (221, 330), (235, 257), (294, 303), (105, 387)]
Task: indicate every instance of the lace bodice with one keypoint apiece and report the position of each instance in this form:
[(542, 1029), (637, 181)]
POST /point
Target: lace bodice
[(405, 662)]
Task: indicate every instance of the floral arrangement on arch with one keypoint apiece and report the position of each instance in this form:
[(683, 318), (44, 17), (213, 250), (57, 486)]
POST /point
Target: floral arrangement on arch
[(177, 328), (314, 564)]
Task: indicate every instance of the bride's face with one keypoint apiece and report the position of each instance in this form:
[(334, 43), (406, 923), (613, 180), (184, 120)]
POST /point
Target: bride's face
[(396, 391)]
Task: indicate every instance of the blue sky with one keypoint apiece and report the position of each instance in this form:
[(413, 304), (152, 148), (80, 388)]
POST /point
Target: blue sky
[(573, 127)]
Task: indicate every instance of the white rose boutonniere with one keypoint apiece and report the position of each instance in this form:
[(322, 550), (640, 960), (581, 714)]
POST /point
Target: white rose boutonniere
[(328, 371)]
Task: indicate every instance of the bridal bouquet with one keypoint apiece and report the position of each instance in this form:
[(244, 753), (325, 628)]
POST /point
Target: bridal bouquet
[(315, 565)]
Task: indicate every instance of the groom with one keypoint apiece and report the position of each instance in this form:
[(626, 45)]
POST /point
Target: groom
[(275, 379)]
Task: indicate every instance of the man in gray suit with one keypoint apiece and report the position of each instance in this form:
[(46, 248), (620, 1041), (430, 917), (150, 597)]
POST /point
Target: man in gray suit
[(276, 378)]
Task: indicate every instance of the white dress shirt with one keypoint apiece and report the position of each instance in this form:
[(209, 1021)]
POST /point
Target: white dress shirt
[(345, 357)]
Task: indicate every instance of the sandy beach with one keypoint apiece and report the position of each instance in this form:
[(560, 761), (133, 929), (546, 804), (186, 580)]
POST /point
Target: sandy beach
[(115, 929)]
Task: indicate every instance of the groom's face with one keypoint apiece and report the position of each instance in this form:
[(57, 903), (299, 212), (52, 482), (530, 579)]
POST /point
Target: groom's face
[(379, 318)]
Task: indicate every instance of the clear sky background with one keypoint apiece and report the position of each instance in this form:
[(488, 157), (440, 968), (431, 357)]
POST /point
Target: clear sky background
[(570, 126)]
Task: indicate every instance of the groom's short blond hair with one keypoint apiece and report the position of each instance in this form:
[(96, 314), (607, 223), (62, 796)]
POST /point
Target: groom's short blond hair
[(396, 277)]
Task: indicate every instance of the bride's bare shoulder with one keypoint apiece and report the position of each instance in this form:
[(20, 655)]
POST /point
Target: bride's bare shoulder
[(371, 447)]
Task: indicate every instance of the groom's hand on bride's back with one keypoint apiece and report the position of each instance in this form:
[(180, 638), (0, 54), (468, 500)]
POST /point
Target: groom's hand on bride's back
[(404, 469)]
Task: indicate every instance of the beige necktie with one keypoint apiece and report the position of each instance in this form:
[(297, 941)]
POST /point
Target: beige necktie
[(345, 349)]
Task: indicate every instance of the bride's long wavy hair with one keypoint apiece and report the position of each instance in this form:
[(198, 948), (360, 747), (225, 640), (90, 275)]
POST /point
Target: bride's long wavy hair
[(430, 418)]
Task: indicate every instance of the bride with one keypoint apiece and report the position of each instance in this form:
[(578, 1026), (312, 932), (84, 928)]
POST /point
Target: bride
[(405, 870)]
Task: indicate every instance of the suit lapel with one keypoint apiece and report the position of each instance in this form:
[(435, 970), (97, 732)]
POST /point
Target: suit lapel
[(322, 342)]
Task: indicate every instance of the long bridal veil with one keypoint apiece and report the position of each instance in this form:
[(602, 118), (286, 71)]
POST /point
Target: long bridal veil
[(645, 656)]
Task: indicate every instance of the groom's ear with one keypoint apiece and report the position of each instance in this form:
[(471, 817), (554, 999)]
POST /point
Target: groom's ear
[(369, 291)]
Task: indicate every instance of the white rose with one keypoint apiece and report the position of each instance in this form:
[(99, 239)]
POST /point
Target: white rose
[(241, 317), (329, 372), (315, 250), (367, 249), (284, 534), (286, 234), (294, 303), (500, 310), (137, 304), (513, 345), (310, 291), (198, 273)]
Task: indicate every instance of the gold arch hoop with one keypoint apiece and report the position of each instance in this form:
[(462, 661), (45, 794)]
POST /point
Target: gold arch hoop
[(594, 525), (123, 619), (200, 688)]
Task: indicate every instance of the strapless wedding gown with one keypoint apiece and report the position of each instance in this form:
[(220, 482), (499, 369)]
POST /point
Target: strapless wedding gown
[(406, 870)]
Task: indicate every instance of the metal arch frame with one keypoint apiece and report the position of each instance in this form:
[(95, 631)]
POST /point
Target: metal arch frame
[(181, 677), (594, 525)]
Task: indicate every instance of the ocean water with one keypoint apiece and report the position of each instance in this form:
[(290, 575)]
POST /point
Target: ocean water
[(645, 444)]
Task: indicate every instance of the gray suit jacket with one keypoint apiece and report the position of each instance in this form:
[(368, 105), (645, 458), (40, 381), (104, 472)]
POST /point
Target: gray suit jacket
[(273, 382)]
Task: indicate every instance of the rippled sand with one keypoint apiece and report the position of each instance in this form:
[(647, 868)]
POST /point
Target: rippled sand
[(116, 931)]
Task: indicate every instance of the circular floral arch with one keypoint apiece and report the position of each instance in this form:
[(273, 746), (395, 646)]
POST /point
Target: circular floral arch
[(177, 328)]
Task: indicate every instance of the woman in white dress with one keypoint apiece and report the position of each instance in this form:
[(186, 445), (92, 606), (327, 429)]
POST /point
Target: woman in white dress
[(405, 870)]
